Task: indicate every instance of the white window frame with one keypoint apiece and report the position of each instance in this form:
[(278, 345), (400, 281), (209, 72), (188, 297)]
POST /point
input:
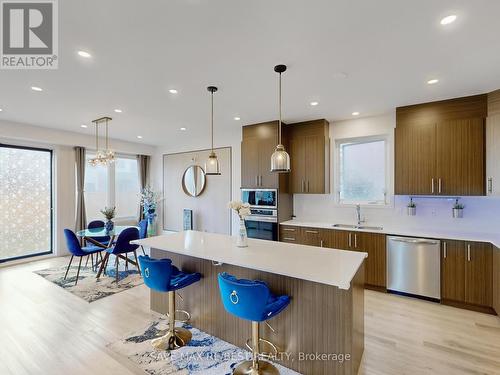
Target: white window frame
[(111, 192), (388, 171)]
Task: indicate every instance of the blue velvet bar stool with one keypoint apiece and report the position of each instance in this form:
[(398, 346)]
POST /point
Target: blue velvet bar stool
[(252, 300), (161, 276)]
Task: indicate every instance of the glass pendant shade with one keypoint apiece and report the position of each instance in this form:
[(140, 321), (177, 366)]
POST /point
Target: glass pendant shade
[(280, 160), (212, 165)]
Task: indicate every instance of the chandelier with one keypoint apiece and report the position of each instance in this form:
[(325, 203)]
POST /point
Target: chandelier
[(105, 156)]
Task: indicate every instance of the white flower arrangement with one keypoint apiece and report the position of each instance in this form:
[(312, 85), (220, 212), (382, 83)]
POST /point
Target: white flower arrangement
[(242, 209)]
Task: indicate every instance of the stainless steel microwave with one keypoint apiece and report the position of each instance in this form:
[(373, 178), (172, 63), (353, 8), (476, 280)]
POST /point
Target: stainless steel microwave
[(260, 198)]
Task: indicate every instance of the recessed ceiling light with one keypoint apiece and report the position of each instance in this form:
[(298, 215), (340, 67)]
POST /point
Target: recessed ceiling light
[(237, 118), (118, 110), (173, 91), (35, 88), (355, 113), (449, 19), (183, 129), (139, 136), (432, 81), (84, 54), (83, 126), (1, 109), (314, 104)]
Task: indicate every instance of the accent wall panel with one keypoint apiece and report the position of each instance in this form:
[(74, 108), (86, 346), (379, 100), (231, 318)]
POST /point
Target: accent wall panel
[(210, 212)]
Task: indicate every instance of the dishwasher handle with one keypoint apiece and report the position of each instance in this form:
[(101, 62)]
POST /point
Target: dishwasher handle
[(414, 240)]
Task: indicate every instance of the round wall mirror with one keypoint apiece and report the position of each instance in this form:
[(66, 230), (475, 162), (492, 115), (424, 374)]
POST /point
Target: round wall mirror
[(193, 180)]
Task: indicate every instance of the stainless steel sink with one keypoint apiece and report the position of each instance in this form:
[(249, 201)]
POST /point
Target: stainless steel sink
[(363, 227)]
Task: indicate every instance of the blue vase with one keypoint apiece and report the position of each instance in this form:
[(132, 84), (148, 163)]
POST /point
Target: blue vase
[(109, 226)]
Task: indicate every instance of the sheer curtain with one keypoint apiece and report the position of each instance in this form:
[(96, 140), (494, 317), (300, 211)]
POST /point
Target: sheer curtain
[(143, 162), (80, 160)]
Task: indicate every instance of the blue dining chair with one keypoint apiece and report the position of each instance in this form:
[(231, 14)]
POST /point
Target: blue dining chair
[(122, 246), (95, 224), (77, 250), (143, 231)]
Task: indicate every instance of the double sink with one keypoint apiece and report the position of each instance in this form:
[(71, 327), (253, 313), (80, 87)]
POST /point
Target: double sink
[(362, 227)]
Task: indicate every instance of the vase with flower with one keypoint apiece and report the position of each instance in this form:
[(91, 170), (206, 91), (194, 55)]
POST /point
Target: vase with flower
[(242, 210)]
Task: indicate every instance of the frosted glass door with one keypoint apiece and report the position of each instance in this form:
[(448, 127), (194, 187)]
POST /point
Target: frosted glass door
[(25, 202)]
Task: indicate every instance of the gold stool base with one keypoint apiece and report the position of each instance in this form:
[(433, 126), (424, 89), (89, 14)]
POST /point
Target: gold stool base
[(172, 340), (246, 368)]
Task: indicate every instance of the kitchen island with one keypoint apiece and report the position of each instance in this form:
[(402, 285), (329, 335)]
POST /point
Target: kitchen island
[(320, 332)]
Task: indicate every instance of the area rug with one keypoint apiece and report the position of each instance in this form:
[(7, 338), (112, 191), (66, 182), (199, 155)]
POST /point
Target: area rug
[(89, 288), (205, 354)]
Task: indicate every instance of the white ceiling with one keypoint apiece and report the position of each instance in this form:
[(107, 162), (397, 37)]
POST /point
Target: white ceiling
[(140, 49)]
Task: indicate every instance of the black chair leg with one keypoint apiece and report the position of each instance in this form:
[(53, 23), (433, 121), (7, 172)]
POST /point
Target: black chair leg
[(69, 265), (143, 251), (87, 262), (78, 272), (103, 265)]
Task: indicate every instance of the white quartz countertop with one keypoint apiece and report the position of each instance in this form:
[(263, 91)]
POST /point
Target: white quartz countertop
[(493, 238), (326, 266)]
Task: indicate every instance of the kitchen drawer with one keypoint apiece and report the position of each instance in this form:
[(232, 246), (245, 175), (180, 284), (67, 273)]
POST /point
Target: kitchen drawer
[(291, 234)]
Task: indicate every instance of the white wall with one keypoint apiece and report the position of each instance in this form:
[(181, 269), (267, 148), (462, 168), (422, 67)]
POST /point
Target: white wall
[(62, 143), (231, 138), (480, 215)]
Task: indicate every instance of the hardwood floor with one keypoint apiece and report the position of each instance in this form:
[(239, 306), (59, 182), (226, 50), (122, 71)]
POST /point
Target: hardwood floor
[(47, 330)]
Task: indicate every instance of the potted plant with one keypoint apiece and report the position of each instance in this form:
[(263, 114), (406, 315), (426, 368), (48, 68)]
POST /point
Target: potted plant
[(243, 210), (411, 208), (149, 203), (458, 210), (109, 214)]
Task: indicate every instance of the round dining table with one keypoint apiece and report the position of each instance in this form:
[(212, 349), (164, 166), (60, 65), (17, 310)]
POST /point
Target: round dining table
[(89, 236)]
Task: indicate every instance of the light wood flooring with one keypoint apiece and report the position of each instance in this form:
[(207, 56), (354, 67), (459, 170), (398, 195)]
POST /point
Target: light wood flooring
[(47, 330)]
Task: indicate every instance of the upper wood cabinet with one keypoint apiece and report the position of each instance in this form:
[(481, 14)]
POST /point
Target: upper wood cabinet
[(309, 149), (257, 146), (439, 147), (493, 144)]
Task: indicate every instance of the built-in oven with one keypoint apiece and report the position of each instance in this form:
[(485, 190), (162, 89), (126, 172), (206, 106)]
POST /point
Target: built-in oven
[(262, 224), (260, 198)]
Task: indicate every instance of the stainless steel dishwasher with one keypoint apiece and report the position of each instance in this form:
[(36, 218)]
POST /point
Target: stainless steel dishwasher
[(414, 266)]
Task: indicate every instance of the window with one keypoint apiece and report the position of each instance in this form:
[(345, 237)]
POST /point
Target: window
[(363, 171), (25, 202), (114, 185), (126, 187)]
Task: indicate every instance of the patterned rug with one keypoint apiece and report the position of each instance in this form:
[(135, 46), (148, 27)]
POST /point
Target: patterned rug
[(88, 287), (205, 354)]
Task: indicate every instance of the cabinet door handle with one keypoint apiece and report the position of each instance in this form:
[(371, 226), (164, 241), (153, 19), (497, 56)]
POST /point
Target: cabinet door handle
[(350, 239), (289, 239), (321, 243), (444, 250), (256, 180), (303, 186), (468, 252), (308, 186), (432, 185), (439, 186), (261, 181), (490, 185), (355, 240), (312, 231)]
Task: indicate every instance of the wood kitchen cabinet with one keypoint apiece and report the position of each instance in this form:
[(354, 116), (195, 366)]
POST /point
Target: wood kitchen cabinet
[(493, 144), (290, 234), (467, 274), (258, 144), (309, 157), (439, 147)]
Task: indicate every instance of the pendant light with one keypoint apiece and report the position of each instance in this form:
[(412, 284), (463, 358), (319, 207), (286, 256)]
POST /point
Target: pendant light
[(212, 164), (280, 160), (105, 156)]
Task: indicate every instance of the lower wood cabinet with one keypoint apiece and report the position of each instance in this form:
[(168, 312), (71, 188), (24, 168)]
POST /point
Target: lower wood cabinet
[(372, 243), (496, 280), (467, 274)]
